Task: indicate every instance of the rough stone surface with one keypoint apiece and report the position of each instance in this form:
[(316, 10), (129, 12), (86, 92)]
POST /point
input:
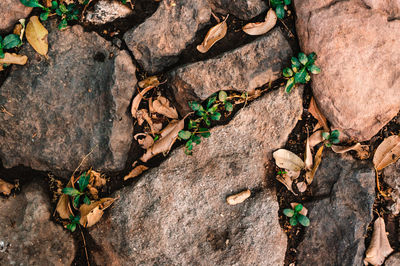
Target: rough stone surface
[(391, 176), (393, 260), (243, 69), (243, 9), (158, 41), (358, 88), (28, 236), (389, 7), (11, 12), (177, 213), (340, 219), (106, 11), (68, 105)]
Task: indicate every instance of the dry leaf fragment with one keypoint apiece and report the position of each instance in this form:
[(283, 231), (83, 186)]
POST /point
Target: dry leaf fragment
[(303, 211), (96, 179), (301, 186), (163, 107), (63, 209), (91, 214), (138, 98), (5, 187), (260, 28), (316, 113), (286, 181), (362, 150), (145, 142), (215, 34), (288, 160), (136, 172), (149, 82), (169, 128), (317, 160), (238, 198), (14, 59), (316, 138), (387, 152), (308, 158), (380, 247), (36, 34)]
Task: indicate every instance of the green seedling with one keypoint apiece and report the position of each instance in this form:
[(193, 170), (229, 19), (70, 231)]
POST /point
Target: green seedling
[(9, 42), (279, 6), (296, 217), (331, 138), (78, 194), (198, 127), (74, 222), (299, 72), (280, 172)]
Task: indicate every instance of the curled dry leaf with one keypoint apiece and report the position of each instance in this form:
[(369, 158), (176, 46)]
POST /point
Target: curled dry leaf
[(288, 160), (301, 186), (145, 142), (286, 181), (91, 214), (259, 28), (387, 152), (96, 179), (163, 107), (13, 59), (5, 187), (308, 159), (136, 172), (380, 247), (316, 113), (63, 208), (140, 114), (317, 160), (362, 150), (303, 211), (149, 82), (238, 198), (36, 35), (316, 138), (215, 34), (138, 98)]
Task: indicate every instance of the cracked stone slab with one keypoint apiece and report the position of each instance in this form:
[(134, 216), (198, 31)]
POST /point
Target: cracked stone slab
[(177, 213), (68, 105), (11, 12), (340, 219)]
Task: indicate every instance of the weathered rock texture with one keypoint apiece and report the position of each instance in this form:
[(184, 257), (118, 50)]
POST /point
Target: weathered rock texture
[(177, 213), (11, 12), (339, 221), (157, 42), (393, 260), (243, 9), (358, 88), (389, 7), (243, 69), (28, 236), (68, 105), (106, 11), (391, 176)]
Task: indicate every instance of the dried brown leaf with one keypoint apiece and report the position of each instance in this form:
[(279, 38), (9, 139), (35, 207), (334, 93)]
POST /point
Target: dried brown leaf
[(286, 181), (259, 28), (13, 59), (215, 34), (387, 152), (36, 35), (138, 170), (316, 138), (96, 179), (138, 98), (238, 198), (163, 107), (308, 158), (380, 247), (317, 160), (316, 113), (149, 82), (63, 209), (169, 128), (5, 187), (145, 142), (362, 150), (91, 214), (288, 160)]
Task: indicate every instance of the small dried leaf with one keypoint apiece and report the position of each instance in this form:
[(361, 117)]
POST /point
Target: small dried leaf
[(96, 179), (169, 128), (286, 181), (288, 160), (362, 150), (5, 187), (149, 82), (316, 138), (293, 174), (316, 113), (145, 142), (13, 59), (317, 160), (215, 34), (308, 158), (140, 116), (163, 107), (259, 28), (238, 198), (380, 247), (387, 152), (302, 186), (138, 98), (138, 170), (63, 209), (91, 214), (36, 35), (303, 211)]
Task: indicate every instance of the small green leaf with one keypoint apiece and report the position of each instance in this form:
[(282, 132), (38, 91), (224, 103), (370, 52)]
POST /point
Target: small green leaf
[(204, 132), (335, 141), (280, 11), (303, 58), (123, 1), (63, 8), (289, 85), (76, 201), (71, 227), (196, 139), (195, 106), (43, 16), (86, 200), (54, 4), (156, 137), (216, 116), (58, 12), (287, 72), (222, 95), (213, 108), (70, 191), (293, 221), (83, 181), (192, 124), (335, 134), (312, 57), (303, 220), (31, 3), (287, 2), (211, 101), (314, 69), (183, 134), (63, 24), (295, 62), (1, 52), (308, 77), (207, 121), (288, 212), (76, 219), (328, 144), (298, 208), (228, 107), (201, 113), (300, 77), (325, 135), (11, 41)]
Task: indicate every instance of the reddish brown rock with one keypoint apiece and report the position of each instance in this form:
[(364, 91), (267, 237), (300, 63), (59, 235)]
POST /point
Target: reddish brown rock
[(358, 88), (243, 9), (10, 12)]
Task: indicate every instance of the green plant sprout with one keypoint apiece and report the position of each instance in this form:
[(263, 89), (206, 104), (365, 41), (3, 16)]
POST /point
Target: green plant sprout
[(296, 217), (331, 138), (74, 222), (299, 72), (9, 42), (279, 6), (198, 127), (280, 172), (76, 194)]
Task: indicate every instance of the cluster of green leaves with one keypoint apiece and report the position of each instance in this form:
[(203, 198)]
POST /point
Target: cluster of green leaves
[(296, 217), (81, 193), (74, 222), (279, 6), (9, 42), (280, 172), (198, 127), (299, 72), (331, 138), (65, 12)]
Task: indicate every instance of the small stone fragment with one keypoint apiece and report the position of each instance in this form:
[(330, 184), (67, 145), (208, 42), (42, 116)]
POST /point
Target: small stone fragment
[(238, 198), (107, 11)]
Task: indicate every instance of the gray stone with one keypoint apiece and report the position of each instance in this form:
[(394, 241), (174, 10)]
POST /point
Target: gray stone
[(68, 105), (28, 236), (157, 42), (242, 9), (177, 213), (11, 12), (358, 87), (393, 260), (242, 69), (340, 219), (105, 11), (391, 175)]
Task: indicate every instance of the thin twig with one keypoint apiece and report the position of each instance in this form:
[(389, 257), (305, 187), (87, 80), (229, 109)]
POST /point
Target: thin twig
[(83, 159), (290, 32), (84, 245), (378, 186)]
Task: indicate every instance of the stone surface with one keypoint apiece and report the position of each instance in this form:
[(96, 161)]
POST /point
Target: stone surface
[(157, 42), (242, 69), (28, 236), (358, 88), (389, 7), (11, 12), (242, 9), (67, 105), (105, 11), (177, 213), (391, 175), (393, 260), (340, 219)]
